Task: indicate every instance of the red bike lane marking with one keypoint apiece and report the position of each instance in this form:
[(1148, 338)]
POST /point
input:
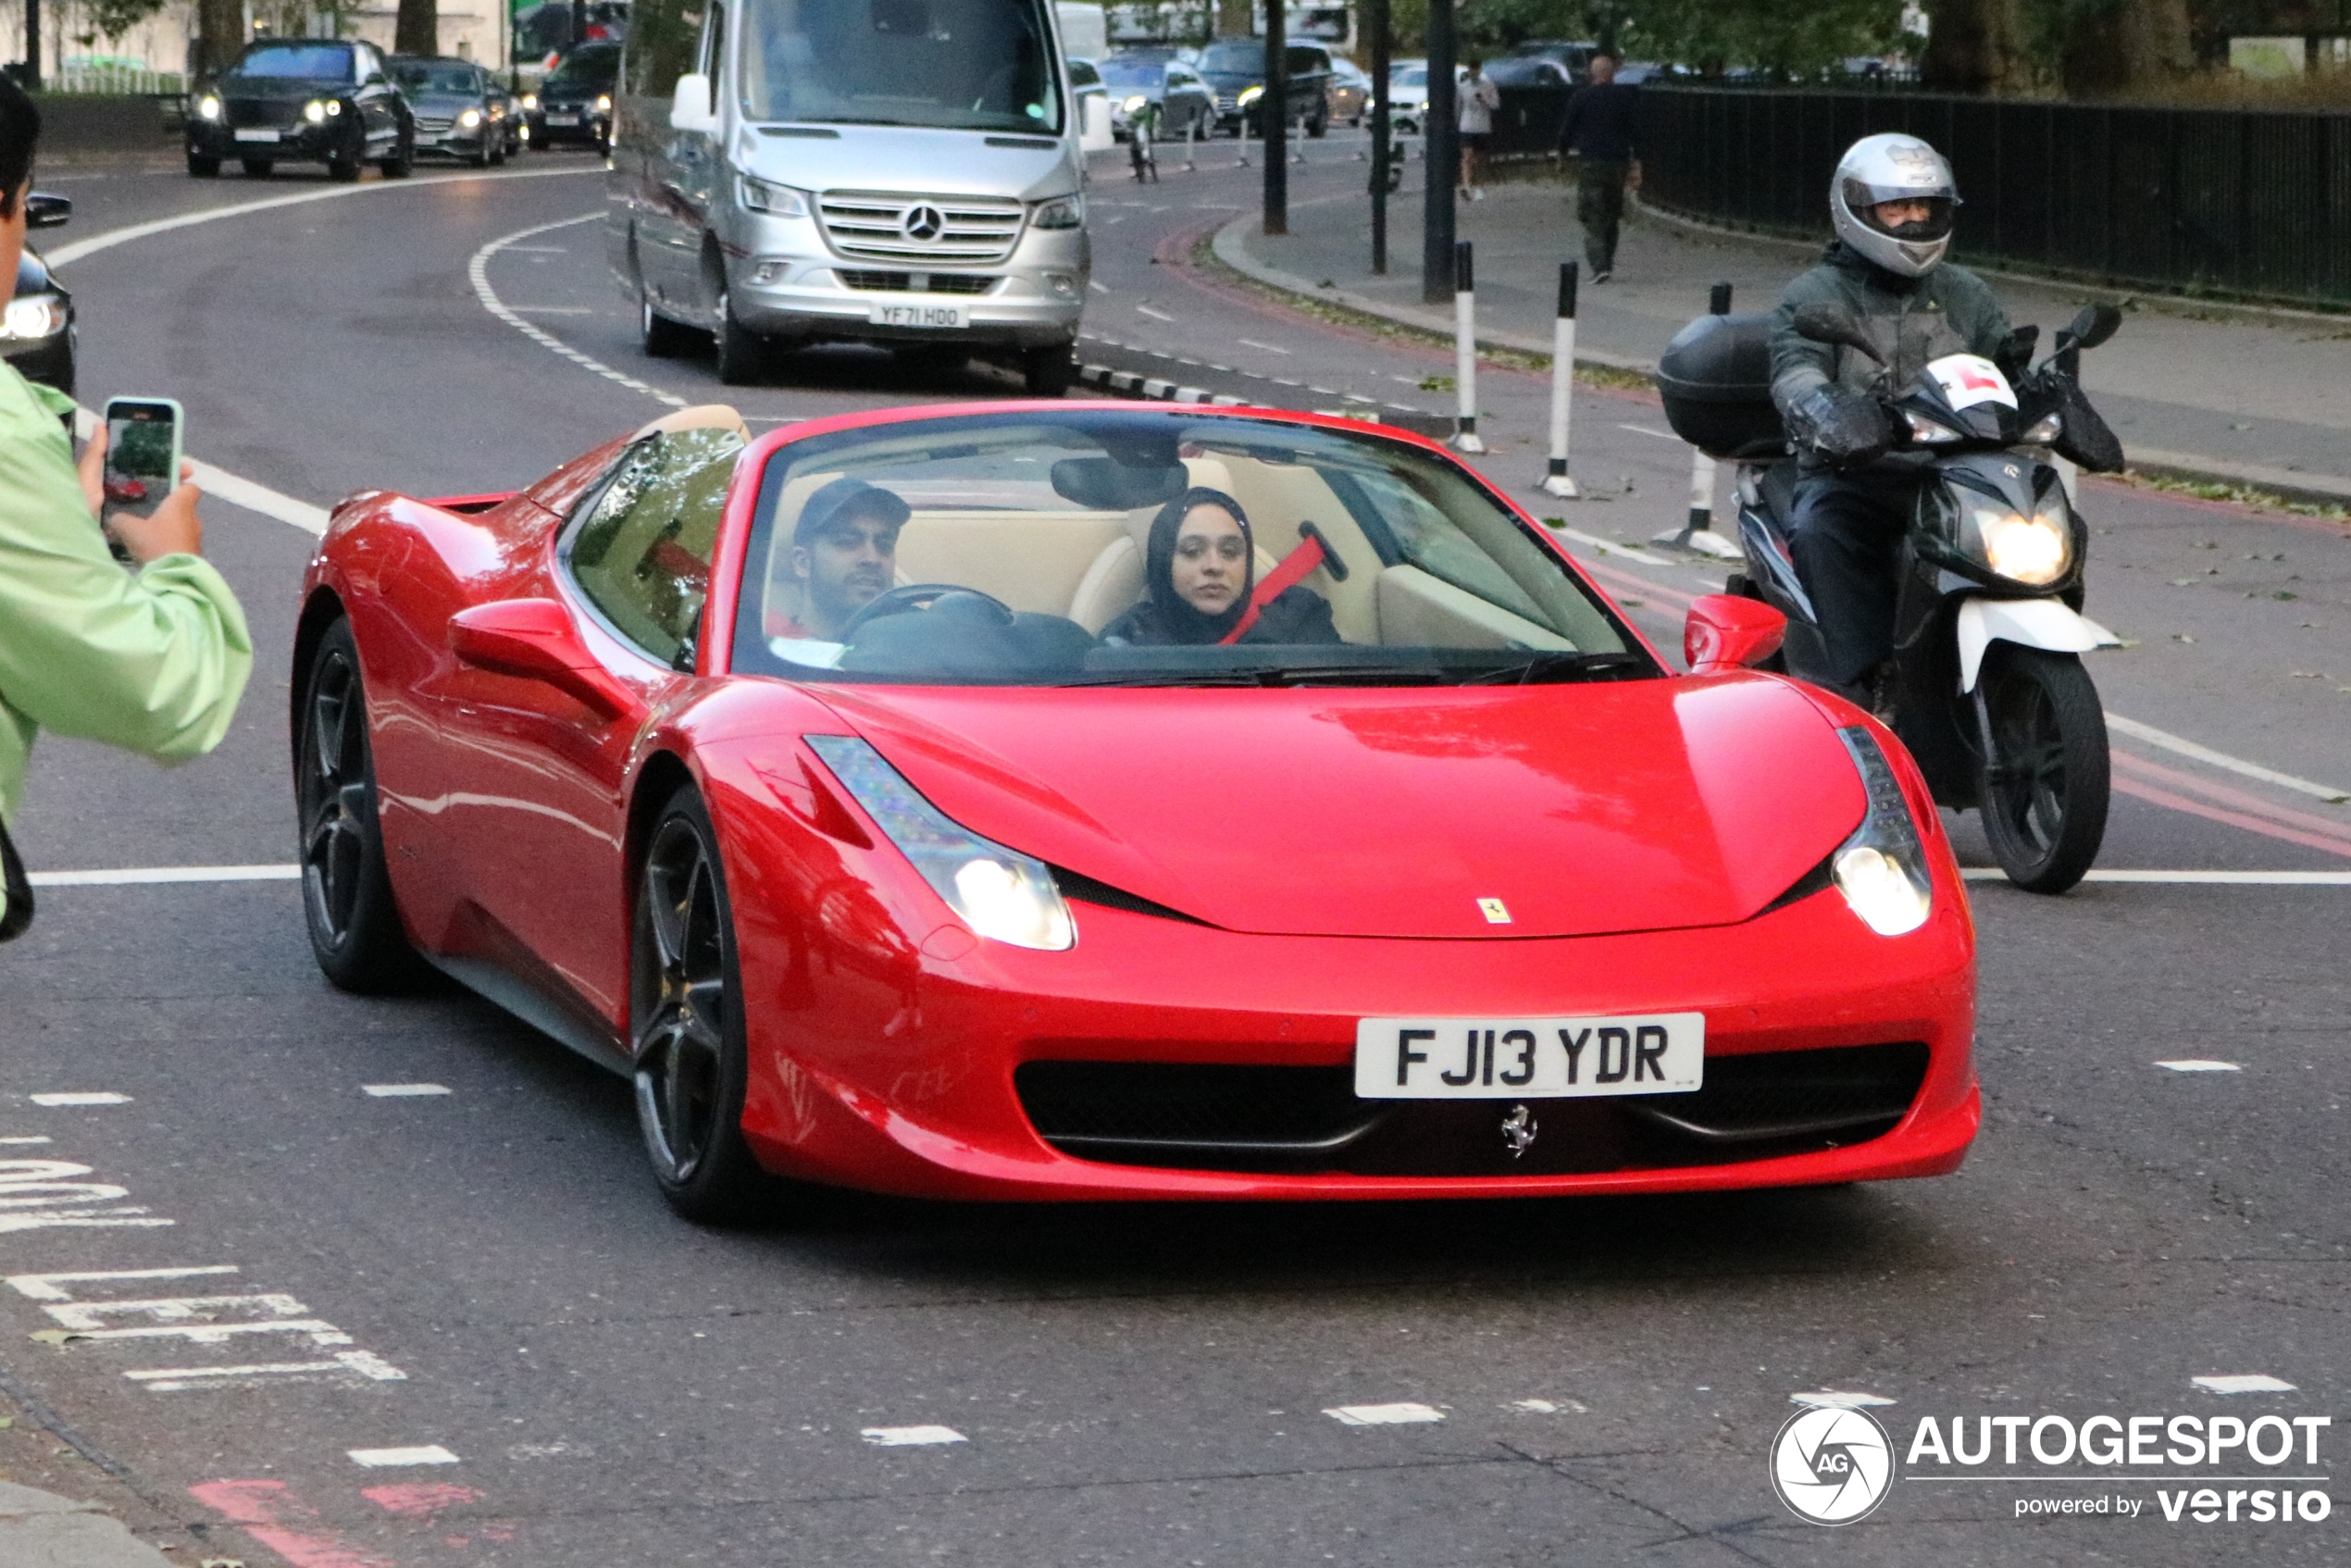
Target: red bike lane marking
[(2222, 793), (419, 1500), (270, 1513)]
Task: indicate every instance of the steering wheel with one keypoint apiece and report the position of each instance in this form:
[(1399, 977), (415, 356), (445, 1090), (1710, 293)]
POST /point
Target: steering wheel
[(918, 596)]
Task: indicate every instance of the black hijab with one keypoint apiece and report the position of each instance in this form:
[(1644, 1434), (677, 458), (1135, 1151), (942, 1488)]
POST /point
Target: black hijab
[(1164, 616)]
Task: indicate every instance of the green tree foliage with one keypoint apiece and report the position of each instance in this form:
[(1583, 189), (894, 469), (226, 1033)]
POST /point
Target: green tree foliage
[(1794, 41), (112, 19)]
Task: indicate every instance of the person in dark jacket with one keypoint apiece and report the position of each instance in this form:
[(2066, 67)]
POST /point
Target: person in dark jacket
[(1891, 200), (1199, 567), (1600, 131)]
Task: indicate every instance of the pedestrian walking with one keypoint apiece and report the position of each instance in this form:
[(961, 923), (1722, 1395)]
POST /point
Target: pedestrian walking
[(152, 660), (1479, 98), (1599, 134)]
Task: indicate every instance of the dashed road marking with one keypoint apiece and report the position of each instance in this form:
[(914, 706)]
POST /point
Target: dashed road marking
[(1154, 315), (81, 1097), (477, 273), (36, 1139), (910, 1436), (2243, 1383), (1648, 431), (2200, 1064), (1098, 285), (1404, 1414), (402, 1091), (1838, 1399), (2220, 878), (1269, 348), (386, 1459)]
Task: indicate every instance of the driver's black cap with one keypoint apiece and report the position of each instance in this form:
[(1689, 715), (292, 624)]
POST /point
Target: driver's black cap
[(843, 497)]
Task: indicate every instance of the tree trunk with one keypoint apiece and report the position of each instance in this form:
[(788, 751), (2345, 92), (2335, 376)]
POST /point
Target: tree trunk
[(1978, 47), (220, 33), (2127, 45), (418, 30)]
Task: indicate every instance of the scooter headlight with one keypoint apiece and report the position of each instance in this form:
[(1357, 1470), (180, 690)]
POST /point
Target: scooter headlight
[(2034, 550), (2047, 429), (1930, 432), (1882, 868), (1000, 893)]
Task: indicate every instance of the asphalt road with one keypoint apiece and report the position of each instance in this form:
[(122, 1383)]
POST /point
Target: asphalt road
[(488, 1271)]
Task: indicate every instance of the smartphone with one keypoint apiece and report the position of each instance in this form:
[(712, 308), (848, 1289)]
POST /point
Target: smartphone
[(143, 453)]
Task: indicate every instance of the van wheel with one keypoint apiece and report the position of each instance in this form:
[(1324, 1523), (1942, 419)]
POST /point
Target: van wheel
[(1050, 371), (663, 338), (743, 353)]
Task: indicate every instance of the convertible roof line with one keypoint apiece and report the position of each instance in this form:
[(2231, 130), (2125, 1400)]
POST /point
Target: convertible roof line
[(703, 417)]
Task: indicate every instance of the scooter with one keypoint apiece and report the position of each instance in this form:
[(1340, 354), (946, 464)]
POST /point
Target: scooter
[(1990, 693)]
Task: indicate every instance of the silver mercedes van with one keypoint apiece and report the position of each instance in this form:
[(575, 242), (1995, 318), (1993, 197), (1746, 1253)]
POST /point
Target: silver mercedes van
[(905, 172)]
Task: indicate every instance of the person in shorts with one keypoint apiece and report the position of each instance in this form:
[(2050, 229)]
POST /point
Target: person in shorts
[(1478, 99)]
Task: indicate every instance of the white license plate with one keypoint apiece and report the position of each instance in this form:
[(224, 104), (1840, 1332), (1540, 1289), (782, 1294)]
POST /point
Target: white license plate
[(563, 119), (257, 136), (947, 316), (1528, 1058)]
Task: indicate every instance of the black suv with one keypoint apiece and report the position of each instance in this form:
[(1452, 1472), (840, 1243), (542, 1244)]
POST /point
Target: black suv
[(1235, 70), (302, 100), (575, 103)]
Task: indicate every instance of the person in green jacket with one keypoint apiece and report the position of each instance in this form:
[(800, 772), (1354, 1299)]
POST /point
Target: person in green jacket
[(152, 660)]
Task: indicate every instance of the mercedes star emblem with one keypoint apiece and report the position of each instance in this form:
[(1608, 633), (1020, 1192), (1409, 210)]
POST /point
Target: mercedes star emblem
[(923, 222)]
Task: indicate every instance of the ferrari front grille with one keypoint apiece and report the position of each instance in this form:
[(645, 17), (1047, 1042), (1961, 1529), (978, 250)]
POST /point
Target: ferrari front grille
[(1197, 1117), (882, 226)]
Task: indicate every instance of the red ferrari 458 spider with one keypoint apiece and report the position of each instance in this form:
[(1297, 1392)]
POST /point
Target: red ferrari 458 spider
[(1084, 801)]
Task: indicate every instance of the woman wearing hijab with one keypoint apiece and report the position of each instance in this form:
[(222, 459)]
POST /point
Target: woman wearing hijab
[(1199, 567)]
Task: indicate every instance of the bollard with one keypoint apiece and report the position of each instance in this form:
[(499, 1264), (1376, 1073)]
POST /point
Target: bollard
[(1466, 351), (1191, 144), (1556, 482), (1242, 161), (1696, 533)]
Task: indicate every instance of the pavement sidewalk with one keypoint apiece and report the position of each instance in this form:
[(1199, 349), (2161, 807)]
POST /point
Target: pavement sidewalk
[(43, 1530), (2247, 397)]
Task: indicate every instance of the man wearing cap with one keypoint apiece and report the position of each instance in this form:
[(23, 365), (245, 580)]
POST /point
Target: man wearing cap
[(844, 556)]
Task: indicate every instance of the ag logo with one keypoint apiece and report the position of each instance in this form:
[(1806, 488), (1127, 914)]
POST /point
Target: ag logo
[(1832, 1467)]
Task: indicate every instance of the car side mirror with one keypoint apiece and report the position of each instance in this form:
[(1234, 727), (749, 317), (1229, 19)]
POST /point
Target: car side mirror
[(1725, 633), (42, 210), (534, 638), (694, 106)]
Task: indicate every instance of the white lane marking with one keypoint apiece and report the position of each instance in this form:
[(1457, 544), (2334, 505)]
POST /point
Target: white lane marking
[(2200, 1064), (44, 1287), (65, 1201), (38, 1138), (1404, 1414), (2225, 878), (1269, 348), (1154, 315), (145, 874), (1646, 431), (85, 1317), (65, 254), (381, 1459), (1838, 1399), (1536, 1407), (477, 273), (552, 309), (1607, 546), (1097, 285), (2334, 794), (2244, 1383), (401, 1091), (81, 1097), (172, 1379), (540, 250), (910, 1436), (318, 1331), (234, 490)]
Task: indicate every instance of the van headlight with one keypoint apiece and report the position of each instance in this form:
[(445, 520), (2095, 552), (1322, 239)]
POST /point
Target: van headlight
[(1062, 212), (2047, 429), (1000, 893), (776, 201), (208, 108), (1882, 868), (2033, 550)]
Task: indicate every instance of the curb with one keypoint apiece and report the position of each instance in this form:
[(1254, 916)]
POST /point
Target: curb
[(55, 1531), (1157, 389)]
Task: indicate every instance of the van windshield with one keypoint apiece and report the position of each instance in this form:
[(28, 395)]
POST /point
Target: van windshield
[(956, 65)]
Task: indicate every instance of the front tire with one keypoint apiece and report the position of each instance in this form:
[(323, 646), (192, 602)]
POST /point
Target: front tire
[(256, 169), (402, 163), (1050, 371), (347, 887), (662, 338), (686, 1023), (742, 352), (202, 168), (2044, 787)]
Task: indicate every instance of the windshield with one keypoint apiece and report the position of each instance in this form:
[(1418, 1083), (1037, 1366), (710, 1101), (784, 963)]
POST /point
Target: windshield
[(589, 68), (1127, 547), (957, 65), (435, 77), (1132, 73), (310, 62), (1409, 76), (1233, 59)]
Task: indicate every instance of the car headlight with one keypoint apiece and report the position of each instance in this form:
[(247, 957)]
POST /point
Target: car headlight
[(1249, 96), (470, 118), (604, 103), (1000, 893), (1930, 432), (208, 108), (530, 100), (776, 201), (1062, 212), (1882, 868), (2033, 550), (334, 106), (1134, 105), (32, 317), (315, 112), (2047, 429)]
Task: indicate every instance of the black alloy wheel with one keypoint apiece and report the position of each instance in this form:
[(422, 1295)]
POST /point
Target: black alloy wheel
[(2044, 787), (203, 167), (742, 353), (257, 168), (686, 1026), (662, 338), (346, 891), (344, 164), (402, 161)]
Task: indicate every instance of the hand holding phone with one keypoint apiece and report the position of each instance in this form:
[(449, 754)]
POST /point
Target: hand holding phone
[(139, 480)]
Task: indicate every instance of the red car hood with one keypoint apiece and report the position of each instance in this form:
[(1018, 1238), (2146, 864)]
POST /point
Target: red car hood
[(1640, 805)]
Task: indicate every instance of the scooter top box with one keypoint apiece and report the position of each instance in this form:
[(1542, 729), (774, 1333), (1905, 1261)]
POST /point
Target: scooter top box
[(1716, 379)]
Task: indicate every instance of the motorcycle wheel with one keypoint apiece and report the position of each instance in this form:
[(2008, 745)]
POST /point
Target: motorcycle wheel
[(2043, 786)]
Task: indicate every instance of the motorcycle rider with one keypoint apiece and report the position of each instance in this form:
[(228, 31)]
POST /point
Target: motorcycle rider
[(1891, 200)]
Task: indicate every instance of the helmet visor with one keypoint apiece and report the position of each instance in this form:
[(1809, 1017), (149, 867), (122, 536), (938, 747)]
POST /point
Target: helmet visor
[(1902, 212)]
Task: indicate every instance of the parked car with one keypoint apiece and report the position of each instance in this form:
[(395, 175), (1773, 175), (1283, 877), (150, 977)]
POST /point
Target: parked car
[(1094, 133), (1573, 56), (1235, 70), (37, 332), (1350, 93), (573, 104), (459, 109), (302, 100), (1528, 70), (1407, 97), (1182, 101)]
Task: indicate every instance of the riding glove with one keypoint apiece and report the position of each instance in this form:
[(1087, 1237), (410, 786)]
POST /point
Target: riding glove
[(1845, 426)]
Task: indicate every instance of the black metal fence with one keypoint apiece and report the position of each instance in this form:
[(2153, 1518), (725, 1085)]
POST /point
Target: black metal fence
[(2252, 203)]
